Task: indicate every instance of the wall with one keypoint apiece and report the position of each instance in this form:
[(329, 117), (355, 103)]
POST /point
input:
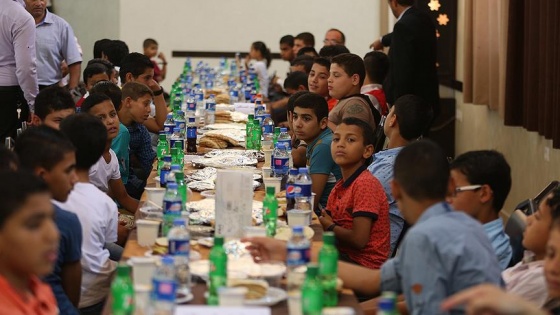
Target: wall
[(533, 161)]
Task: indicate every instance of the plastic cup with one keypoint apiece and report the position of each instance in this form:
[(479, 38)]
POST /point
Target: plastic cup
[(155, 195), (266, 172), (299, 217), (143, 269), (231, 296), (267, 156), (273, 182), (147, 232), (272, 272)]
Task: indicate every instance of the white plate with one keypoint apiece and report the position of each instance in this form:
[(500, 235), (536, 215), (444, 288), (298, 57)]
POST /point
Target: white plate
[(237, 269), (193, 255), (272, 297), (284, 233)]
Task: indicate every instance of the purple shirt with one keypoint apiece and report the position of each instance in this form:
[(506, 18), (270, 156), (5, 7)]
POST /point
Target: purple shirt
[(17, 49)]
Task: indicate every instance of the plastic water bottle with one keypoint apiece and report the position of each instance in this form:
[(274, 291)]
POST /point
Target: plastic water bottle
[(191, 105), (164, 170), (234, 95), (169, 125), (199, 98), (284, 137), (210, 110), (267, 128), (179, 247), (180, 121), (328, 269), (164, 287), (270, 211), (175, 168), (290, 189), (312, 292), (191, 135), (172, 207), (281, 159), (176, 137), (218, 270), (259, 112), (303, 190), (297, 260)]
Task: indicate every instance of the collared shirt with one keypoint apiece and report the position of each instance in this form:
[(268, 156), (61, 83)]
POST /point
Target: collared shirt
[(41, 300), (382, 168), (141, 146), (55, 42), (526, 279), (444, 253), (500, 241), (320, 161), (376, 95), (17, 49), (361, 195)]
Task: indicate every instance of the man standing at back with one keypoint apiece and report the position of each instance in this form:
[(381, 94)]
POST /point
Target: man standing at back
[(334, 37), (412, 56), (18, 69), (55, 43)]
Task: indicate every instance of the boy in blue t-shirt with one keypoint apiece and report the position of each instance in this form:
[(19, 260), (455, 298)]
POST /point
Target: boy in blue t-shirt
[(310, 119)]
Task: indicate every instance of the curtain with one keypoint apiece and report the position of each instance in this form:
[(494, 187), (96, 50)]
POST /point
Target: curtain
[(485, 44), (532, 92)]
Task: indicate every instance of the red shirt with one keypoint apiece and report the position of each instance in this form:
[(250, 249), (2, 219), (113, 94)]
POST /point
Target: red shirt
[(362, 195), (332, 103), (41, 301)]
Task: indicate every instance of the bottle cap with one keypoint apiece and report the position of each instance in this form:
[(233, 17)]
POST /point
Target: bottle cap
[(250, 117), (328, 238), (179, 222), (167, 158), (256, 122), (312, 270), (297, 229), (218, 240), (179, 146), (162, 135), (167, 260), (294, 171), (169, 115), (303, 170), (277, 129), (192, 119), (180, 113), (283, 129), (270, 190), (179, 176), (123, 269), (171, 185), (175, 167)]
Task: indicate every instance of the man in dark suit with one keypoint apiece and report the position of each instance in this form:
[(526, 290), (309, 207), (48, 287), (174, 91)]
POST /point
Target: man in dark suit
[(412, 56)]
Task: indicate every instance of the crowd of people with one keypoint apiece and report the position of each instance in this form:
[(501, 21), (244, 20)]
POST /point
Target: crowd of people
[(405, 218)]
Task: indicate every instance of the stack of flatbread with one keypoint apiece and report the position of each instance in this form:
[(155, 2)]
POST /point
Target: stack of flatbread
[(223, 138), (226, 116)]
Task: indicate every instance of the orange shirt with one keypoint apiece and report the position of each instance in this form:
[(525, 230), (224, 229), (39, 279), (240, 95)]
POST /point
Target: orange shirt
[(332, 103), (40, 302)]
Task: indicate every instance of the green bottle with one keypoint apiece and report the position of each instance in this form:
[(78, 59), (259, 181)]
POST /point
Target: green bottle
[(218, 270), (270, 211), (328, 269), (122, 291), (181, 186), (256, 133), (162, 148), (179, 157), (276, 135), (175, 159), (249, 132), (312, 292)]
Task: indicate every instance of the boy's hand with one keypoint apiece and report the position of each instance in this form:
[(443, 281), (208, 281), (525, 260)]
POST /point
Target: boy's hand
[(264, 248), (377, 45), (154, 86), (325, 219), (162, 57)]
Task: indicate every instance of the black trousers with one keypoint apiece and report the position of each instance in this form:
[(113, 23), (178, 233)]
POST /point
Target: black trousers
[(11, 98)]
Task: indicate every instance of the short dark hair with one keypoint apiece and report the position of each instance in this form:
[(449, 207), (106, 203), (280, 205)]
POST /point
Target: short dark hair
[(99, 47), (315, 102), (293, 98), (110, 89), (288, 40), (295, 79), (414, 115), (377, 66), (343, 38), (136, 64), (51, 99), (367, 131), (115, 51), (306, 50), (89, 136), (110, 67), (8, 159), (149, 42), (352, 64), (135, 90), (554, 204), (305, 61), (42, 146), (422, 170), (323, 62), (486, 167), (94, 99), (16, 188), (307, 38), (333, 50), (93, 69)]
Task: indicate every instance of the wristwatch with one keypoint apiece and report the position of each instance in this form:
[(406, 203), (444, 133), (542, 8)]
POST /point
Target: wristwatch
[(331, 227), (158, 92)]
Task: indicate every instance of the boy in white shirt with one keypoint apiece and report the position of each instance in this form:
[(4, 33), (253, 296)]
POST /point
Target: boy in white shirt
[(97, 212)]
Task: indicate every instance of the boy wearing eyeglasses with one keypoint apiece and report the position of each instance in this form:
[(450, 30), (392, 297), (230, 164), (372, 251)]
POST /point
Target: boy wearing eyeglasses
[(482, 181)]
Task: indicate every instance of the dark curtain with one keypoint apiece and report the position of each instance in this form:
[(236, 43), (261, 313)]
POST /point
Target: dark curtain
[(532, 97)]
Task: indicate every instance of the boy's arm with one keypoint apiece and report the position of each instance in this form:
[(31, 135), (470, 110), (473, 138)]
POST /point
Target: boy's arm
[(161, 109), (71, 277), (361, 280), (118, 192), (357, 237), (318, 183)]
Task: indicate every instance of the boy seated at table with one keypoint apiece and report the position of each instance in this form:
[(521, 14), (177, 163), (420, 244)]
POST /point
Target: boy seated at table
[(482, 180), (52, 105), (28, 243), (47, 153), (97, 212), (93, 73), (406, 121), (377, 66), (299, 147), (310, 125), (318, 80), (135, 109), (347, 74), (105, 174), (357, 211)]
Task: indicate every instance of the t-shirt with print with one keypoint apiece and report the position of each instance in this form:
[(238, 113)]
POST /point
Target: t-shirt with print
[(120, 146), (98, 215), (102, 172), (362, 195), (320, 161), (353, 106), (69, 251)]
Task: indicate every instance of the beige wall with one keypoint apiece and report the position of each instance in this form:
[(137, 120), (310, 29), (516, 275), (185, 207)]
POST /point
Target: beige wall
[(533, 161)]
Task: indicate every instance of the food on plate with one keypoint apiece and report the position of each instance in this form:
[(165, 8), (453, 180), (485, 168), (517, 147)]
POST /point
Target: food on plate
[(256, 289)]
